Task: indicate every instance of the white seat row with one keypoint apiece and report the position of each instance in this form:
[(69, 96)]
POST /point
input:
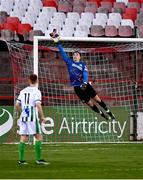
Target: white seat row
[(58, 20)]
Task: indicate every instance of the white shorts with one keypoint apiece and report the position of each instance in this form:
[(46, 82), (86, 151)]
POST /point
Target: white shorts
[(29, 128)]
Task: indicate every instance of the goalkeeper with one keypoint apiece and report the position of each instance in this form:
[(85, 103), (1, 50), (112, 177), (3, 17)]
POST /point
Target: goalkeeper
[(78, 74)]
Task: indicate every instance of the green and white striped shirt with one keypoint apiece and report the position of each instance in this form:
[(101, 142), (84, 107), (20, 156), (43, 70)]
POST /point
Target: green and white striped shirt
[(28, 98)]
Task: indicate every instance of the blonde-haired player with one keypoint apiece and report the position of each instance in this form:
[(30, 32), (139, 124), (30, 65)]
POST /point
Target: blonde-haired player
[(29, 105)]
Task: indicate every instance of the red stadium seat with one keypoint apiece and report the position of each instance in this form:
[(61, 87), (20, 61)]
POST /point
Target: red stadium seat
[(13, 20), (111, 1), (131, 10), (134, 5), (9, 26), (130, 13), (129, 16), (1, 26), (139, 1), (50, 3), (24, 28)]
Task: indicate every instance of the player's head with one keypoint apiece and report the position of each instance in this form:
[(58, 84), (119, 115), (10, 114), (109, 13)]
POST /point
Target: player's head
[(76, 56), (33, 79)]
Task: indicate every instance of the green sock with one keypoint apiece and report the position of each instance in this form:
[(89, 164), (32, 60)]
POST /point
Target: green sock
[(38, 150), (21, 149)]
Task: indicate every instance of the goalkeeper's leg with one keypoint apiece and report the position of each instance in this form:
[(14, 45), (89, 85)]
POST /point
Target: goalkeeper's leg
[(96, 109), (104, 106)]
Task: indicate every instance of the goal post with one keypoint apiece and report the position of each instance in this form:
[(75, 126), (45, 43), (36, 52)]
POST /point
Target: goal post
[(115, 69)]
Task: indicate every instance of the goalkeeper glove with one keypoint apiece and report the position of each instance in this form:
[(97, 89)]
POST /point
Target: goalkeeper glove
[(55, 36), (83, 86)]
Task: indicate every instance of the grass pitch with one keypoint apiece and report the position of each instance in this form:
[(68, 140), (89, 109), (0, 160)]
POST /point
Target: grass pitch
[(75, 161)]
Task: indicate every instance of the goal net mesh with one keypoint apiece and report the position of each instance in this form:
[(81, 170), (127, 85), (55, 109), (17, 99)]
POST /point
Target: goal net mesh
[(116, 72)]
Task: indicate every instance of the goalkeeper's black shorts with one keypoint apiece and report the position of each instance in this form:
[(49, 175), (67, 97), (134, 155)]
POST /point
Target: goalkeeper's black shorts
[(85, 95)]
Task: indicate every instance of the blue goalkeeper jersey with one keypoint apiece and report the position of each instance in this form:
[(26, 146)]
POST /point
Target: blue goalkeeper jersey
[(78, 72)]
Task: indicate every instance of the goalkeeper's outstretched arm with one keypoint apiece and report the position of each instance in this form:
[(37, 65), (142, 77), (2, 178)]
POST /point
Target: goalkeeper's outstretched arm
[(63, 53), (55, 37)]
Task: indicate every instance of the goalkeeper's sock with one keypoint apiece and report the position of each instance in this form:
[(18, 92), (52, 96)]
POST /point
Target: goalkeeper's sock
[(104, 106), (21, 149), (95, 108), (38, 150)]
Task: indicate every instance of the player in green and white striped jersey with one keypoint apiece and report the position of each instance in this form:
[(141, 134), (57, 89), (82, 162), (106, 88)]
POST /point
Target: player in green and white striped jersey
[(28, 104)]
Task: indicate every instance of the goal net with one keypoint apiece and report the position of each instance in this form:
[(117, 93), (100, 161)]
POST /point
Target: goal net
[(115, 71)]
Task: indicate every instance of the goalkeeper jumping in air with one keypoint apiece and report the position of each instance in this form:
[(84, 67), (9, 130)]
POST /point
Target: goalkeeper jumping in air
[(78, 74)]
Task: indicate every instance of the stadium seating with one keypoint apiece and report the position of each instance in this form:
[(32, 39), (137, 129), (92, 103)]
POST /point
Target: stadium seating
[(80, 34), (130, 13), (33, 33), (97, 31), (114, 19), (41, 25), (67, 33), (6, 5), (64, 6), (103, 10), (50, 3), (23, 31), (106, 4), (120, 5), (111, 31), (84, 28), (134, 5), (71, 22), (81, 15), (125, 1), (100, 19), (14, 21), (73, 15), (125, 31), (127, 22), (91, 7)]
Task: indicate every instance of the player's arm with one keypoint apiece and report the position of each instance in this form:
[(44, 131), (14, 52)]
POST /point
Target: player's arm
[(85, 75), (85, 78), (39, 106), (63, 53), (18, 106), (55, 37), (40, 111)]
